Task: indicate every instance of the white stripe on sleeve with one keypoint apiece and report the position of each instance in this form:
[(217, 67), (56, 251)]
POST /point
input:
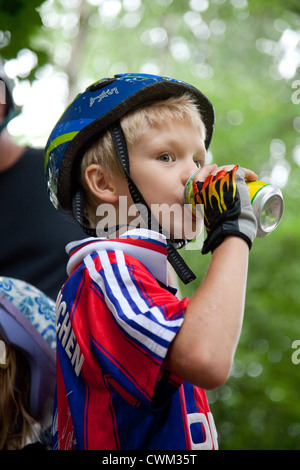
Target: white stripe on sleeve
[(114, 297)]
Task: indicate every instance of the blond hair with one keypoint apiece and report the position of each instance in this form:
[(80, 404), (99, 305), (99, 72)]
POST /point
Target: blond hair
[(134, 125), (16, 424)]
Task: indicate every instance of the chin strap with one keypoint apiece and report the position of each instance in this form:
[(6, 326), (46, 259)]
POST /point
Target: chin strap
[(183, 271)]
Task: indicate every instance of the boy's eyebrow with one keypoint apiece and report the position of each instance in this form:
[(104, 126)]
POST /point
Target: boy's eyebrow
[(174, 141)]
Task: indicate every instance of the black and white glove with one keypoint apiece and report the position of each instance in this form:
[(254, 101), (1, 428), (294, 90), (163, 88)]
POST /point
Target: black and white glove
[(227, 207)]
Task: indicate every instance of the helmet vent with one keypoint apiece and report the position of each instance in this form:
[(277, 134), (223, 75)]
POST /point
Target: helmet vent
[(100, 84)]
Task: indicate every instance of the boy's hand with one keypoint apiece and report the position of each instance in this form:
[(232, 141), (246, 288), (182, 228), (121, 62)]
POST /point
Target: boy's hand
[(227, 206)]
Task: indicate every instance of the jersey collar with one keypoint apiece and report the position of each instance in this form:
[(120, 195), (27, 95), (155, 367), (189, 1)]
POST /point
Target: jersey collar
[(147, 246)]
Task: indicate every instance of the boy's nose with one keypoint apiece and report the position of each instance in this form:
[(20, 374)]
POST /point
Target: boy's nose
[(193, 168)]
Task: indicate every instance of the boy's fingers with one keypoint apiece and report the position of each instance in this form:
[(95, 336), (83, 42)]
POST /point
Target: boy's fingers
[(213, 169), (204, 172), (250, 175)]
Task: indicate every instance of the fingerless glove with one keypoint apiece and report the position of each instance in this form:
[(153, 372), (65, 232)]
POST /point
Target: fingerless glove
[(227, 208)]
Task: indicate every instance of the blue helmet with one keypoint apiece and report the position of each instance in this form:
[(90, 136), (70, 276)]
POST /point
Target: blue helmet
[(98, 109), (27, 323)]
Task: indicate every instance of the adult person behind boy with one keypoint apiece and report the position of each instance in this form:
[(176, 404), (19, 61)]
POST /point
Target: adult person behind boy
[(133, 360), (33, 237)]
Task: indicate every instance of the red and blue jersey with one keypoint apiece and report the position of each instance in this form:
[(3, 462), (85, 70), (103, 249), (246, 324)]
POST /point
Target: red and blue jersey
[(115, 320)]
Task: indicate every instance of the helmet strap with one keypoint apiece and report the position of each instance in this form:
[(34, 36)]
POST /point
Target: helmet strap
[(78, 212), (177, 262)]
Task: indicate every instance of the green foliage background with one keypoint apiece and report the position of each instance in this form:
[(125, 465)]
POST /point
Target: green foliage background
[(231, 50)]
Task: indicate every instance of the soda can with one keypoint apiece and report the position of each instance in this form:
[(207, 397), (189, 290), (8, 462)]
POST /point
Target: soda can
[(268, 206), (189, 195), (266, 200)]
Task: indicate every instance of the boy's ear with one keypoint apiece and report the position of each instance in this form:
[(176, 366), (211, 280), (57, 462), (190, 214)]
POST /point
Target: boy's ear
[(100, 183)]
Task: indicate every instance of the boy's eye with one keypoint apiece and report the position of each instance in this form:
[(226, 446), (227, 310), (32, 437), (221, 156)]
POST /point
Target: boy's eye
[(166, 158), (198, 164)]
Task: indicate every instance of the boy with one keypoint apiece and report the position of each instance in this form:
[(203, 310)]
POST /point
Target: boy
[(133, 359)]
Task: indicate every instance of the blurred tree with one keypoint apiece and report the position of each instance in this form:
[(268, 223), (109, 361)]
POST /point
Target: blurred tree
[(245, 56), (19, 22)]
